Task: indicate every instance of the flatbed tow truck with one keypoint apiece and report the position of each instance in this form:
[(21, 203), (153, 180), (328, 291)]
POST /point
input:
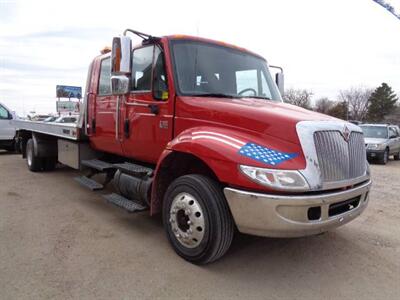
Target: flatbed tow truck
[(196, 130)]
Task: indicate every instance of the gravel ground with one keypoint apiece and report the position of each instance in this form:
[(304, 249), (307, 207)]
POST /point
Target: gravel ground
[(61, 241)]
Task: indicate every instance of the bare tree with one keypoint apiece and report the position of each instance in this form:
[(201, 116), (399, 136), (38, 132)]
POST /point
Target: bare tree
[(323, 105), (338, 110), (298, 97), (357, 99)]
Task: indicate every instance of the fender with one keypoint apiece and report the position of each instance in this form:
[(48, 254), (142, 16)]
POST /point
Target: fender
[(221, 145), (221, 150)]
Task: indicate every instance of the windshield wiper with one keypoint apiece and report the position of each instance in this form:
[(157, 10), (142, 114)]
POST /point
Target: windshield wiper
[(257, 97), (215, 95)]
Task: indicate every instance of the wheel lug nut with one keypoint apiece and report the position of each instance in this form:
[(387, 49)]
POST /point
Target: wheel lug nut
[(171, 220), (189, 222)]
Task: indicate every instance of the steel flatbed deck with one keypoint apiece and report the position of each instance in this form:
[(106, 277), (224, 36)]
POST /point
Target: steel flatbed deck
[(65, 131)]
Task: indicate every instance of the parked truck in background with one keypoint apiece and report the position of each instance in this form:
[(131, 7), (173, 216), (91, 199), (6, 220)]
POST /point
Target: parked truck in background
[(196, 130), (7, 129)]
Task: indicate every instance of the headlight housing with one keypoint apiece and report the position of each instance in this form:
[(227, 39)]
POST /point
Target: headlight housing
[(375, 146), (277, 179)]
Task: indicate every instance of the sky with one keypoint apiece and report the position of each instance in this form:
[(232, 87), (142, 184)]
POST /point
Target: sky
[(323, 46)]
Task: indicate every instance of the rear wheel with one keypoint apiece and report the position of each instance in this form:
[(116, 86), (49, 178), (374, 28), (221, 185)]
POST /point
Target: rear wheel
[(35, 164), (197, 219), (397, 156)]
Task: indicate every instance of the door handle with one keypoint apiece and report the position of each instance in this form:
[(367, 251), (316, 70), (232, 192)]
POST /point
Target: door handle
[(126, 128), (154, 109)]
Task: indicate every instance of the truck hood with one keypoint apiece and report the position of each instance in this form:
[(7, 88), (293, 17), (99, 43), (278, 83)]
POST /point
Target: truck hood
[(261, 116), (374, 140)]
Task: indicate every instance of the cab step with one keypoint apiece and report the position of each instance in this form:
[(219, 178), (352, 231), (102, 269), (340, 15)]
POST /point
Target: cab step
[(89, 183), (134, 170), (127, 204), (98, 165)]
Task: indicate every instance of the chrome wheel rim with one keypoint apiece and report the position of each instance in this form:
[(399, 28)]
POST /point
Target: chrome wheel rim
[(187, 220), (29, 156)]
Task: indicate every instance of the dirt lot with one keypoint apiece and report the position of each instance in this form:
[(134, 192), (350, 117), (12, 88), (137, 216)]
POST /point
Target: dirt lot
[(59, 240)]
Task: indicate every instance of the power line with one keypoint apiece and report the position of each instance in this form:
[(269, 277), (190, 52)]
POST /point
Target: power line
[(388, 7)]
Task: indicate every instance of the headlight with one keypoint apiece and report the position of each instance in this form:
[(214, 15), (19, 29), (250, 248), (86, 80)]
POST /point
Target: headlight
[(277, 179), (375, 146)]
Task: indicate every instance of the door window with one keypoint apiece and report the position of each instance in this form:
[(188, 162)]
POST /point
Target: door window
[(105, 77), (160, 85), (3, 113), (392, 132), (142, 68)]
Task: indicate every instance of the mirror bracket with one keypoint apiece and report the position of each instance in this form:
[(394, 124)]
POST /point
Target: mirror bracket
[(279, 79)]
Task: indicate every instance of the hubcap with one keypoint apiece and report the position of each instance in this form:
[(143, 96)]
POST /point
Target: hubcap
[(187, 220)]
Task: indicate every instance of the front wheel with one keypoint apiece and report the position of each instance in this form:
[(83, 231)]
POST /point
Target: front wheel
[(384, 158), (197, 219)]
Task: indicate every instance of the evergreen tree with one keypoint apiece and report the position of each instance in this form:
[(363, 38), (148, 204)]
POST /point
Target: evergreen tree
[(381, 103)]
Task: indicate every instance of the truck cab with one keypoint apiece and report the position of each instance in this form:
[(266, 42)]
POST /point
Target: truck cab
[(7, 129), (196, 130)]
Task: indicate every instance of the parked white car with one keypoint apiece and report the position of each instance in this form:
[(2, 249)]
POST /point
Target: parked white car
[(7, 130)]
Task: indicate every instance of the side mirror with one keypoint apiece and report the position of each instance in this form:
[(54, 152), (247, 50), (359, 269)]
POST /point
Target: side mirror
[(119, 84), (280, 82), (121, 56), (121, 65)]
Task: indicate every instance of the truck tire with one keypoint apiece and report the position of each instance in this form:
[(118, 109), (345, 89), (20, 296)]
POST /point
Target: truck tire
[(197, 219), (396, 156), (35, 164), (383, 159), (49, 163)]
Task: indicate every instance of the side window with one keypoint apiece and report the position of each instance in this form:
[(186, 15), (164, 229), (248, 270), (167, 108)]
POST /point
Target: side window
[(3, 113), (105, 77), (142, 67), (160, 85), (392, 132)]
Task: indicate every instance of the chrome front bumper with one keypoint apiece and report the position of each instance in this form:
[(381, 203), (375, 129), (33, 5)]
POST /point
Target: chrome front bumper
[(288, 216)]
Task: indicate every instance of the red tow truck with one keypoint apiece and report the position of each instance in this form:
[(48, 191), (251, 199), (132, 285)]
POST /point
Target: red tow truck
[(196, 130)]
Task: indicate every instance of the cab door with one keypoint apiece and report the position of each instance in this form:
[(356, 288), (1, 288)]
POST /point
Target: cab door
[(394, 140), (148, 109), (105, 135)]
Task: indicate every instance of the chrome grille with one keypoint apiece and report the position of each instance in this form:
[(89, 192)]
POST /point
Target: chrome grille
[(340, 160)]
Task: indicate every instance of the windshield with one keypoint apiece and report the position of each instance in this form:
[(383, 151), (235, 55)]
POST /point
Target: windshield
[(375, 132), (204, 69)]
